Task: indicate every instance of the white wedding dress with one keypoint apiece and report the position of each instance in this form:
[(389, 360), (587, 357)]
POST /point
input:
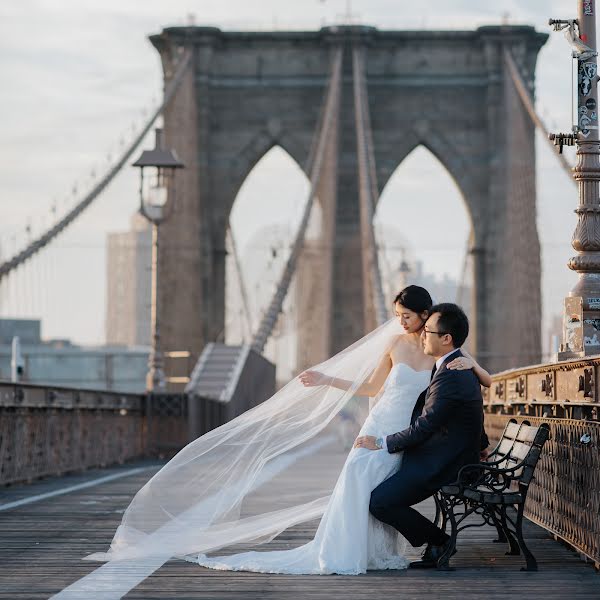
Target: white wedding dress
[(349, 540)]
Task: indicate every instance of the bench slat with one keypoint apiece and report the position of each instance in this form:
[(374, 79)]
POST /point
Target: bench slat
[(527, 433)]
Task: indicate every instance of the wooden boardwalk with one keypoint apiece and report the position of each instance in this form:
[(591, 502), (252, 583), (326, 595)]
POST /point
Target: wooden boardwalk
[(42, 543)]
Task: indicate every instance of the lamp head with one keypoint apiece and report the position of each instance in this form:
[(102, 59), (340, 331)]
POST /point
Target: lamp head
[(157, 174)]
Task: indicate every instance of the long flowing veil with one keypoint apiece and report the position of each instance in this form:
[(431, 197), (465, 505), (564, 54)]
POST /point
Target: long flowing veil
[(206, 497)]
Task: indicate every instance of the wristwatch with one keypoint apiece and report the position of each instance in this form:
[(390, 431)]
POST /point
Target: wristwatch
[(379, 443)]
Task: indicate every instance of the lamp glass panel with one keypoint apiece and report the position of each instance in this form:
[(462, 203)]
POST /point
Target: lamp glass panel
[(155, 190)]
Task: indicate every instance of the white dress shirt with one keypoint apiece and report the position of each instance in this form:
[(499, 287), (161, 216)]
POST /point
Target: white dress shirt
[(438, 363)]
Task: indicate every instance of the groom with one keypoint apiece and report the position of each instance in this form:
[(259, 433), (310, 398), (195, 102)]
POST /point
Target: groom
[(446, 432)]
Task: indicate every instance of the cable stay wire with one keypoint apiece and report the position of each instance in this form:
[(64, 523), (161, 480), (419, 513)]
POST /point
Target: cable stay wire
[(323, 134), (527, 101), (242, 284), (368, 190)]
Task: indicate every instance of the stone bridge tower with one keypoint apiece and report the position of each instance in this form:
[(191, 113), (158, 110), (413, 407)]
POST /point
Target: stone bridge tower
[(446, 90)]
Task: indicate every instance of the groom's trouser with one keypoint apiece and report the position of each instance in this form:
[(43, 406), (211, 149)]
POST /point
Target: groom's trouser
[(391, 502)]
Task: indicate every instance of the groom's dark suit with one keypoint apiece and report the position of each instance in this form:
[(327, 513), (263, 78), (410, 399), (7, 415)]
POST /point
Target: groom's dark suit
[(446, 432)]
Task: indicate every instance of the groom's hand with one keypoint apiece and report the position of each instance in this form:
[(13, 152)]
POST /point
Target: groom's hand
[(366, 441)]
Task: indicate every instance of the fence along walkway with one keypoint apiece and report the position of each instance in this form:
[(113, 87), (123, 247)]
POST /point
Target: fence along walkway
[(42, 544)]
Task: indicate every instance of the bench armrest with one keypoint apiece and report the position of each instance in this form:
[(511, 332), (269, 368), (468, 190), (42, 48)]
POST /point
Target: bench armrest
[(486, 475), (493, 462)]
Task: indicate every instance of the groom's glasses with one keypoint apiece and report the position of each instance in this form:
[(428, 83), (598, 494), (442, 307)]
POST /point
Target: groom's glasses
[(426, 331)]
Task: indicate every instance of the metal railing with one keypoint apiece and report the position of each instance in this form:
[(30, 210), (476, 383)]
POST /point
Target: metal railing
[(52, 430), (565, 494)]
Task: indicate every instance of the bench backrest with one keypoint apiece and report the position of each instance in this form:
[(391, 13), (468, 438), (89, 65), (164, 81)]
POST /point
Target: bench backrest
[(521, 444)]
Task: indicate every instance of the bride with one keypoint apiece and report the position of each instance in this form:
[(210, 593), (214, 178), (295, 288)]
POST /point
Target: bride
[(237, 483), (349, 540)]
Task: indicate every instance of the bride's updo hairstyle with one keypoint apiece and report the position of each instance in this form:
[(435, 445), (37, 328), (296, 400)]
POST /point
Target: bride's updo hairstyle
[(415, 298)]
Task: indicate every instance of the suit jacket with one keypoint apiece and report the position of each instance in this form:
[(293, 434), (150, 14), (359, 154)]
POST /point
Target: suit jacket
[(446, 430)]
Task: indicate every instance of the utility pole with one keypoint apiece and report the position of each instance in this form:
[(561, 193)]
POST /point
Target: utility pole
[(581, 325)]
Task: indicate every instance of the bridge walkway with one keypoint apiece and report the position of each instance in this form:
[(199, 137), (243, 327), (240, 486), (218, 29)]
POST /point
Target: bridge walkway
[(48, 526)]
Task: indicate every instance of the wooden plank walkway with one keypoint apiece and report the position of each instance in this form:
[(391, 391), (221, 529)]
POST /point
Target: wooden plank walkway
[(42, 543)]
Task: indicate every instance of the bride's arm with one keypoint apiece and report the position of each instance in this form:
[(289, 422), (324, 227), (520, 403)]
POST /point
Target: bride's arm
[(468, 362), (370, 387)]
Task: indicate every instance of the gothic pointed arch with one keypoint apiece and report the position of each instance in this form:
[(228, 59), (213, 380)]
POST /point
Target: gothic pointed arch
[(424, 228), (255, 149)]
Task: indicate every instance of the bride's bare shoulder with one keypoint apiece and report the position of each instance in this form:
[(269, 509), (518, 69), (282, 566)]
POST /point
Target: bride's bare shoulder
[(399, 343), (395, 340), (404, 349), (401, 340)]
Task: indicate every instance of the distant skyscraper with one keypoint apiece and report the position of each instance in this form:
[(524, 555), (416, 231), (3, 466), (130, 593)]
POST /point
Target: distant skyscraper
[(129, 278)]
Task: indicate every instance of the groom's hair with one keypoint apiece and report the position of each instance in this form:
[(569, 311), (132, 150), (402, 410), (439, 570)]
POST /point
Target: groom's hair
[(452, 320)]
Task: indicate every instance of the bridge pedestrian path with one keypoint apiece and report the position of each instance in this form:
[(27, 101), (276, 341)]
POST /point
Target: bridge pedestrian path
[(48, 526)]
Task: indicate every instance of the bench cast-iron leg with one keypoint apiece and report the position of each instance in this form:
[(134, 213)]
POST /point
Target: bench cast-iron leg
[(443, 563), (514, 549), (529, 558)]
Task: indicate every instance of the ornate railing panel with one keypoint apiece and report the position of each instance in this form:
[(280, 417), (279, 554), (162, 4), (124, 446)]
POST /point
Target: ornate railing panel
[(566, 389), (50, 431), (565, 495)]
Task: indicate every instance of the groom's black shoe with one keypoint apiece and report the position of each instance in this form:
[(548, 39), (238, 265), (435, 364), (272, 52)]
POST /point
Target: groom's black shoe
[(431, 556)]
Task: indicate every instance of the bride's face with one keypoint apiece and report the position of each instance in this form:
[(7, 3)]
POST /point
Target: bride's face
[(411, 321)]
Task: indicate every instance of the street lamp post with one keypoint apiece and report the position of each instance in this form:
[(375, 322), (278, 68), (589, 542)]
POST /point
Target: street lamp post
[(157, 186), (581, 332)]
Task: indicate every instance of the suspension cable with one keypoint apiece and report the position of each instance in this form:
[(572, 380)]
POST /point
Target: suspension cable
[(43, 240), (527, 101)]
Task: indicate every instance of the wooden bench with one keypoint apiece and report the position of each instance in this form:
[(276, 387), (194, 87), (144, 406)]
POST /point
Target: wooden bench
[(494, 492)]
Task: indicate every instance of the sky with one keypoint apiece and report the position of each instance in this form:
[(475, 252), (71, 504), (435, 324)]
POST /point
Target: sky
[(77, 75)]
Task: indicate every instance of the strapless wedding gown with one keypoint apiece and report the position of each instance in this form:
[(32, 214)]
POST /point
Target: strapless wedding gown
[(349, 540)]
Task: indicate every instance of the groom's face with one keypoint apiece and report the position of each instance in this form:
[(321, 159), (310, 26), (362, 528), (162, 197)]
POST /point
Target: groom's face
[(435, 342)]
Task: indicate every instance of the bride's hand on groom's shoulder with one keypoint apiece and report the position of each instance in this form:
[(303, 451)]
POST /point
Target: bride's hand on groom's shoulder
[(462, 363), (313, 378)]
